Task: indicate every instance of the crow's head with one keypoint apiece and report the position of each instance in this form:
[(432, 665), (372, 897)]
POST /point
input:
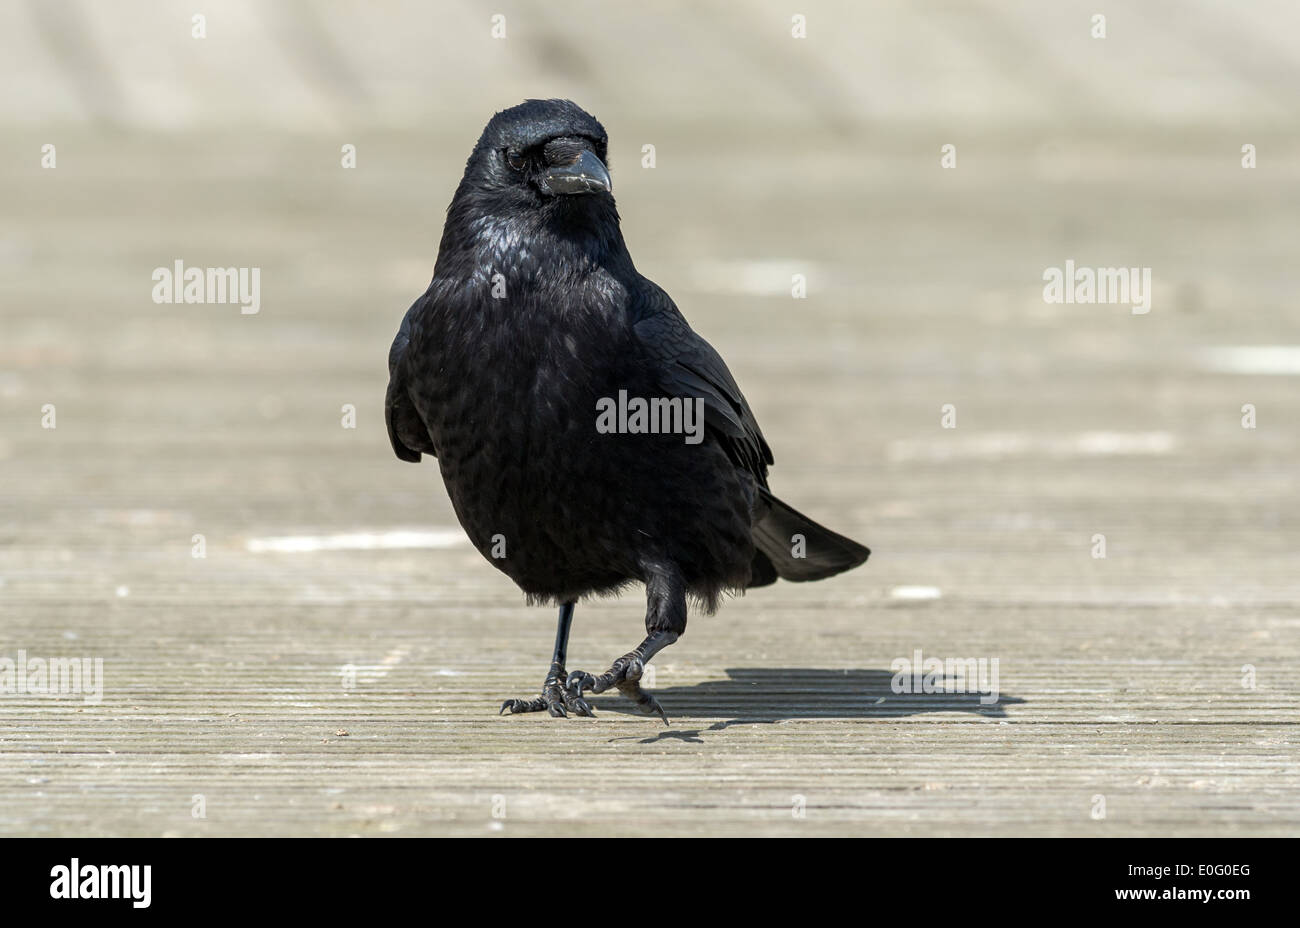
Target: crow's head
[(540, 154), (535, 198)]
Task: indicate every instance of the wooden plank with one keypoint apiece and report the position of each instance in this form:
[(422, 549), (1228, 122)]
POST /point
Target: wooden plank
[(228, 677)]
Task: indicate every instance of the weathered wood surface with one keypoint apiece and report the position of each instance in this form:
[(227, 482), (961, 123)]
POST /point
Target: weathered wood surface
[(225, 676)]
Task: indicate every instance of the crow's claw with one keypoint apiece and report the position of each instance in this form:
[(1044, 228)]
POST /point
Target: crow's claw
[(556, 699), (625, 674)]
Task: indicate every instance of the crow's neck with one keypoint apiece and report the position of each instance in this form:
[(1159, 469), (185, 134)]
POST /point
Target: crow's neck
[(575, 239)]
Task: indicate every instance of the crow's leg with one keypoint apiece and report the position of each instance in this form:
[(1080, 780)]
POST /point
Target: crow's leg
[(665, 620), (555, 698)]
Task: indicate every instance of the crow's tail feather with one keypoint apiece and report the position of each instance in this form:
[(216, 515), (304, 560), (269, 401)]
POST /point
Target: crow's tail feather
[(825, 553)]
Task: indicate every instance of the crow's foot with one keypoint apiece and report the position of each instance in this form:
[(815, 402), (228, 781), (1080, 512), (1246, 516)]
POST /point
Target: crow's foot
[(556, 698), (626, 675)]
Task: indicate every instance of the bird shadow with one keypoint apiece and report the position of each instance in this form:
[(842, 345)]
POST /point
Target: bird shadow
[(767, 695)]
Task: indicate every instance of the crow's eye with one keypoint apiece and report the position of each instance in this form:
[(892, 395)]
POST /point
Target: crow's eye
[(514, 159)]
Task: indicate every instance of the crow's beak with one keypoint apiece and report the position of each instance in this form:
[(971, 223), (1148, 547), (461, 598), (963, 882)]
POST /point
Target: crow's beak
[(585, 175)]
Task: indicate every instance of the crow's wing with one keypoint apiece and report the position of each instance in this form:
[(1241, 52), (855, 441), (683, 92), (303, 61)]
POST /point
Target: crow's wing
[(406, 430), (690, 367)]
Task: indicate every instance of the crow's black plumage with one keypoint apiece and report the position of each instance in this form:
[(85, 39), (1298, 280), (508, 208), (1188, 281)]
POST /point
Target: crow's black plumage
[(535, 315)]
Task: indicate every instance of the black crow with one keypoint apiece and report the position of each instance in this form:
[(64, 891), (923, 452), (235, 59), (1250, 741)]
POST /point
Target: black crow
[(561, 393)]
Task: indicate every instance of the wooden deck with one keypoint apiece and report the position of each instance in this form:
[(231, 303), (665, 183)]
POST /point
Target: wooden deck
[(354, 691)]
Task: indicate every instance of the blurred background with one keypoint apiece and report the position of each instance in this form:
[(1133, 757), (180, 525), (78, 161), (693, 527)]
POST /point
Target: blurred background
[(186, 429)]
